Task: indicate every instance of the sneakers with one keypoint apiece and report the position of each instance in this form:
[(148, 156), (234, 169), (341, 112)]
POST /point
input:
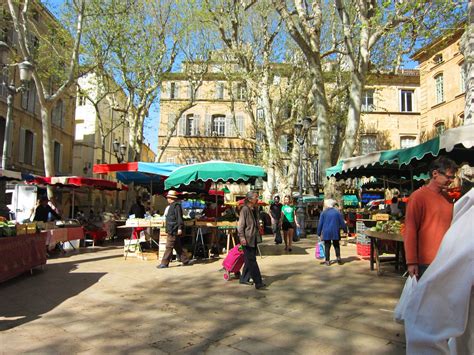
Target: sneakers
[(188, 263), (161, 266), (327, 263), (261, 286), (339, 261), (249, 283)]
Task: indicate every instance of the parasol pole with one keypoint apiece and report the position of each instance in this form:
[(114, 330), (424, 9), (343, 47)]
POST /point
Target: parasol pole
[(73, 198)]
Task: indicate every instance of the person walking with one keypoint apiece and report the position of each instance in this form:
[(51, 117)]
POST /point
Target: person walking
[(275, 215), (174, 229), (248, 230), (330, 223), (428, 217), (288, 224)]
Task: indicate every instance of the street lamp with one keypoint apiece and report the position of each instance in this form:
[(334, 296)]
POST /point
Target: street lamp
[(26, 72), (119, 150), (301, 130)]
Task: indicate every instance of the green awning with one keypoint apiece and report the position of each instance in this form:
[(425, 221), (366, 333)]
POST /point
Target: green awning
[(336, 169), (417, 152)]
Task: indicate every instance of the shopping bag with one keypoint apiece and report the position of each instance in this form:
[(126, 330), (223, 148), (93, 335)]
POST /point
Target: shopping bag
[(400, 309), (319, 253)]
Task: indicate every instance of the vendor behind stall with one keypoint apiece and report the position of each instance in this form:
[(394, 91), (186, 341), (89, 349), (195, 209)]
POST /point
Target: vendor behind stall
[(43, 211), (137, 209)]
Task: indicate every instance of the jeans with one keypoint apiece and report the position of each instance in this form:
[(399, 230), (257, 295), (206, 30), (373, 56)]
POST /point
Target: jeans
[(276, 229), (250, 257)]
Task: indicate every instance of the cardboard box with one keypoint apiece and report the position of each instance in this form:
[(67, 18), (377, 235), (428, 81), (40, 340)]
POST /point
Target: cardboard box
[(20, 229), (30, 228), (381, 217)]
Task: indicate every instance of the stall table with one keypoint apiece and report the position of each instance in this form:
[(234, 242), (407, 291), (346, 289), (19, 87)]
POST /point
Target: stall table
[(20, 254), (227, 226), (375, 249), (61, 235)]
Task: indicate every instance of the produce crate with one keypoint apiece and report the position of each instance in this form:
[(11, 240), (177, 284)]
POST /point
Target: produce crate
[(362, 239), (30, 228), (21, 229), (381, 217), (363, 250)]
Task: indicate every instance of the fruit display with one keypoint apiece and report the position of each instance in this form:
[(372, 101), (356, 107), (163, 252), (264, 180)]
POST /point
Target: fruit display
[(7, 229), (392, 227)]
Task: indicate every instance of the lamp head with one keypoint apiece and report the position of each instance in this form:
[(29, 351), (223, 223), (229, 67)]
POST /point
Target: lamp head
[(123, 149), (116, 146), (26, 71)]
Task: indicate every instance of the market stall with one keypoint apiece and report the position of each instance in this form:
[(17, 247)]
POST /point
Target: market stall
[(379, 246), (21, 253)]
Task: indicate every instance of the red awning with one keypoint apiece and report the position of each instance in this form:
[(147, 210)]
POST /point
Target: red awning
[(109, 168), (78, 181)]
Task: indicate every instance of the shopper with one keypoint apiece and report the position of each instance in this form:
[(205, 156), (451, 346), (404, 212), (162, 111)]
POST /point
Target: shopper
[(174, 229), (288, 224), (137, 209), (248, 231), (275, 215), (44, 212), (442, 304), (428, 217), (330, 223)]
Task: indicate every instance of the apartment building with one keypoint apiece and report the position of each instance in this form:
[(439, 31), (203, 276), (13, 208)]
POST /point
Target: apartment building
[(442, 83), (390, 112), (207, 131), (26, 147)]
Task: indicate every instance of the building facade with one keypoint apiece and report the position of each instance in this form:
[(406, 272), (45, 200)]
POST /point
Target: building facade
[(442, 84), (26, 148)]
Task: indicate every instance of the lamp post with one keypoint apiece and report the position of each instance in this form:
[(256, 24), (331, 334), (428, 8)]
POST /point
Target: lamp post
[(26, 72), (301, 130), (119, 150)]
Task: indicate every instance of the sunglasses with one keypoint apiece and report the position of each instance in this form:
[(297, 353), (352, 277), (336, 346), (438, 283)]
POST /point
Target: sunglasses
[(450, 177)]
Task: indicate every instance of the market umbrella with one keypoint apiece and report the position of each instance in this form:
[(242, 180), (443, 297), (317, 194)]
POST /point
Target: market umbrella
[(456, 143), (215, 171), (10, 175), (76, 182)]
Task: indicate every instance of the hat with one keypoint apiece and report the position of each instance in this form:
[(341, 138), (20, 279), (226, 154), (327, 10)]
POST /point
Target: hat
[(172, 194)]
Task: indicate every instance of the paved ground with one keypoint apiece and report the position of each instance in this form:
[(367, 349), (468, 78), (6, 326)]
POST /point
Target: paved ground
[(95, 302)]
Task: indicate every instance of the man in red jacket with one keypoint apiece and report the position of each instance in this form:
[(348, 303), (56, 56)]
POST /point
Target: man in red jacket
[(428, 217)]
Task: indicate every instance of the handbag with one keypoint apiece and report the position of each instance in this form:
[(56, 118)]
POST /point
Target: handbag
[(319, 252), (401, 307)]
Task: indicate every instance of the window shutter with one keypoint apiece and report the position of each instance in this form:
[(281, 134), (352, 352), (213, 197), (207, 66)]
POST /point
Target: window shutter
[(182, 126), (196, 125), (190, 91), (240, 125), (168, 88), (171, 118), (229, 131), (21, 151), (208, 126), (24, 100), (60, 168), (33, 150), (176, 90)]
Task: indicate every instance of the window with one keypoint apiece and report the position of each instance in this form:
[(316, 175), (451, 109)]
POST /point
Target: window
[(438, 59), (28, 99), (440, 127), (192, 125), (173, 90), (192, 92), (27, 149), (81, 100), (368, 101), (276, 80), (2, 134), (218, 126), (240, 94), (239, 120), (171, 160), (57, 115), (462, 79), (407, 142), (406, 100), (219, 91), (58, 156), (3, 79), (368, 143), (191, 161), (314, 136), (439, 88), (284, 143)]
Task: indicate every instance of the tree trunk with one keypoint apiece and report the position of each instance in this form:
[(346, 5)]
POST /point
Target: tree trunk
[(47, 143), (467, 48)]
